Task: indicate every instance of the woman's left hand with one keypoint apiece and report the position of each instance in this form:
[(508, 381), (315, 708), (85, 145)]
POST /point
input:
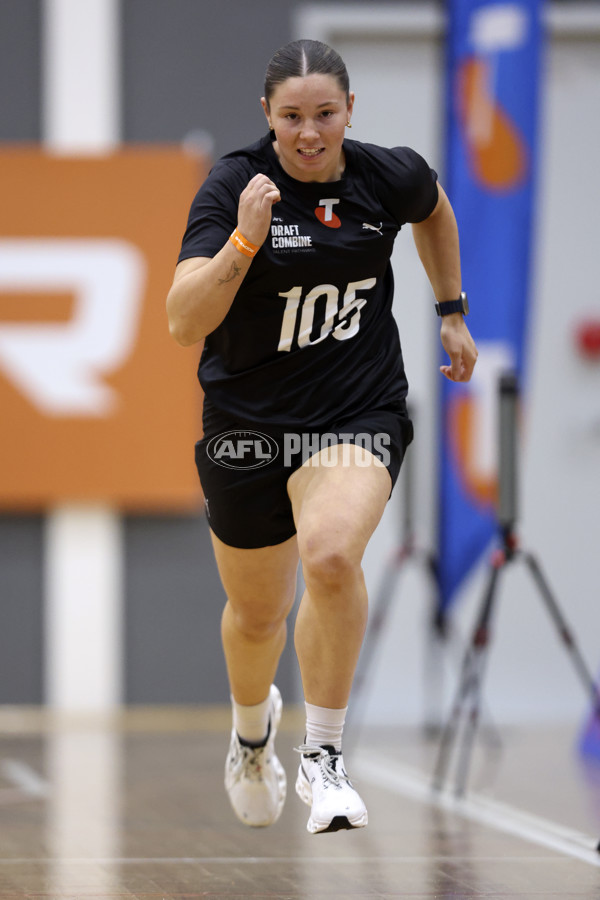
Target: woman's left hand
[(460, 347)]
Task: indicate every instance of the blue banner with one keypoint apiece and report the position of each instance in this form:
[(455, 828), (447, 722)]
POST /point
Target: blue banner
[(589, 744), (494, 54)]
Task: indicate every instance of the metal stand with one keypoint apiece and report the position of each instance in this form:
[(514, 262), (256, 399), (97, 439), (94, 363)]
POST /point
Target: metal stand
[(407, 551), (467, 704)]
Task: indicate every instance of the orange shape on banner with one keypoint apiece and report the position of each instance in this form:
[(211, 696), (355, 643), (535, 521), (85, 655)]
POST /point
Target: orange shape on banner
[(497, 152), (98, 403), (461, 424)]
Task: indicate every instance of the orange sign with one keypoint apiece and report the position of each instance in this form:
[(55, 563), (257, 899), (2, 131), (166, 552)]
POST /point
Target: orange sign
[(97, 402), (497, 151)]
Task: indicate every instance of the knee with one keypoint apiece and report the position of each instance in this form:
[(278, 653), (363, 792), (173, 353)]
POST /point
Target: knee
[(328, 566), (256, 621)]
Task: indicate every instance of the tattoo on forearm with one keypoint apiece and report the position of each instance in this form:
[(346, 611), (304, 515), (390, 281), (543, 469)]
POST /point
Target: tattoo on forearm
[(233, 273)]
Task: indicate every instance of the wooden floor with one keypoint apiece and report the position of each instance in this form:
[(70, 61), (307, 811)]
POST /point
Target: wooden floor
[(136, 808)]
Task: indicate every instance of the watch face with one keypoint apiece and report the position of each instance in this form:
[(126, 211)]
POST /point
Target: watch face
[(465, 302)]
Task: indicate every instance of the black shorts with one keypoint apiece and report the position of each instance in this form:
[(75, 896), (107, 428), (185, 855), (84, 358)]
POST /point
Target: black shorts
[(244, 467)]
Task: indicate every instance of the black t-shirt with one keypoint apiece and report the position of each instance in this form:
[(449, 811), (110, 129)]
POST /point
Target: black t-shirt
[(310, 337)]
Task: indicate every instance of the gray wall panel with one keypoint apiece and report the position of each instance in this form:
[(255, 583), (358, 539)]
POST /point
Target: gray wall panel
[(174, 605), (21, 651), (20, 70), (192, 64)]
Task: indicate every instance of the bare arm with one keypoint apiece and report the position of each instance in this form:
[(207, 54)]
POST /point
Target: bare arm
[(203, 289), (436, 240)]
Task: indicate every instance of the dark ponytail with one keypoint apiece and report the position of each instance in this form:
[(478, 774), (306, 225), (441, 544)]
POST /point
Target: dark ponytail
[(301, 58)]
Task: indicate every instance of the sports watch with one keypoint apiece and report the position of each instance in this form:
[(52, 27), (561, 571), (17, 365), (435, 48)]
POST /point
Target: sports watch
[(453, 306)]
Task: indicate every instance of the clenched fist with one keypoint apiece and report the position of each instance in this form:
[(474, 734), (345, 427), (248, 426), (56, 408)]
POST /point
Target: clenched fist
[(254, 210)]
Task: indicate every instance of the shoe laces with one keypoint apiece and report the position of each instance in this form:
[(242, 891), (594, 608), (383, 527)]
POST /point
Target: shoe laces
[(326, 761), (249, 762)]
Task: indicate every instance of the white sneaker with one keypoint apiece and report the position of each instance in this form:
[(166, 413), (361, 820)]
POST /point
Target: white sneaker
[(254, 777), (324, 785)]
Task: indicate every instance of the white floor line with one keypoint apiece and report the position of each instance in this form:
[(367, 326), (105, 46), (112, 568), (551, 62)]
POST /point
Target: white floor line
[(409, 782), (265, 860), (24, 778)]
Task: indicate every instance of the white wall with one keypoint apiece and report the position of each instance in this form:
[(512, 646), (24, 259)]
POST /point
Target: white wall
[(399, 86)]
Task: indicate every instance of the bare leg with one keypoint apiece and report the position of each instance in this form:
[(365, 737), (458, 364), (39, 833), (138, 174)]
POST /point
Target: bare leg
[(260, 587), (336, 509)]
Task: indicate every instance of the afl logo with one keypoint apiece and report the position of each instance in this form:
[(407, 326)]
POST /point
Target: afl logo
[(242, 449)]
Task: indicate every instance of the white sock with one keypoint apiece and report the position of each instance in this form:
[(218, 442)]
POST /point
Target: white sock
[(252, 722), (325, 726)]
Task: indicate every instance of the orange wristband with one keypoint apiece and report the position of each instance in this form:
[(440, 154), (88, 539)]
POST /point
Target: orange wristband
[(243, 244)]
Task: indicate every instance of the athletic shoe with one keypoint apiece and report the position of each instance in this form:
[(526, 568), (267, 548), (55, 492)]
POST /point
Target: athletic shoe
[(254, 777), (324, 786)]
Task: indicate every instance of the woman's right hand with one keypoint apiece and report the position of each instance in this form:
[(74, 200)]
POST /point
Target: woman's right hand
[(254, 210)]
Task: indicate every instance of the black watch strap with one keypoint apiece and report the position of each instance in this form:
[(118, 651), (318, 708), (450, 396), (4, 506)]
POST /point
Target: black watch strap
[(453, 306)]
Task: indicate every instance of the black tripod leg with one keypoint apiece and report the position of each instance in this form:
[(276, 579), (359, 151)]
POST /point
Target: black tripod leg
[(564, 631), (436, 642), (481, 640), (473, 714), (452, 725), (470, 683)]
